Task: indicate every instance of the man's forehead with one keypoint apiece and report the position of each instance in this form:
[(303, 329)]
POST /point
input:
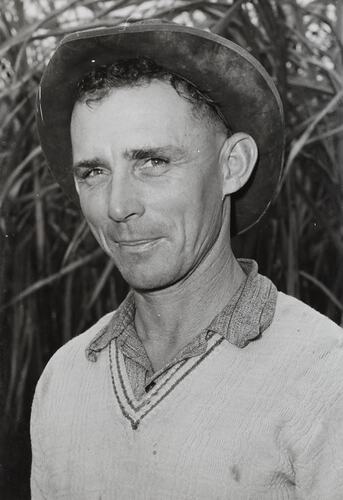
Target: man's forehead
[(153, 106)]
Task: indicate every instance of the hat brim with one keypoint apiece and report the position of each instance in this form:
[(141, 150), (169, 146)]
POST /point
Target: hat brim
[(236, 81)]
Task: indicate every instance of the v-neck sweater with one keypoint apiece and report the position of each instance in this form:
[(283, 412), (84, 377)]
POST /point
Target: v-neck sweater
[(262, 422), (247, 314)]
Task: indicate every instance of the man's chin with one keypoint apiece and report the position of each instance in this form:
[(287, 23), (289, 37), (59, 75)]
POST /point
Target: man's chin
[(147, 281)]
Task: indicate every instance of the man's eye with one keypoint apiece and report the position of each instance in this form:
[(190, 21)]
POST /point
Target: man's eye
[(90, 173), (158, 162), (155, 163), (93, 172)]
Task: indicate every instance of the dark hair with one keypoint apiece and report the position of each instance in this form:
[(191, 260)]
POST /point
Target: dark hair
[(98, 83)]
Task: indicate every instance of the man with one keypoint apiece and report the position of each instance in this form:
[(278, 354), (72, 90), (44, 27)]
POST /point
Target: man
[(206, 383)]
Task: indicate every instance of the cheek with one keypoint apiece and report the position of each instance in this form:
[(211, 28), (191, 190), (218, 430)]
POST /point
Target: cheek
[(205, 197), (195, 214), (94, 212)]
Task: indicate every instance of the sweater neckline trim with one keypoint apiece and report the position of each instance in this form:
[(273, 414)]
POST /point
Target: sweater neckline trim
[(134, 410)]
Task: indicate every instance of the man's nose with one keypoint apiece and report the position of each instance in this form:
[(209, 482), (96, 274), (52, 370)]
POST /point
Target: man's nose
[(124, 201)]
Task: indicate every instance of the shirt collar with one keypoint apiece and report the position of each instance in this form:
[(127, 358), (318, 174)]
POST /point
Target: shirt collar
[(243, 319)]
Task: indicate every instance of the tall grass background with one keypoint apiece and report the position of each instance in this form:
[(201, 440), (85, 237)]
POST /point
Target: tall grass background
[(54, 281)]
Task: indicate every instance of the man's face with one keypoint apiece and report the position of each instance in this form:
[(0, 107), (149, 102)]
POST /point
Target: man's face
[(150, 186)]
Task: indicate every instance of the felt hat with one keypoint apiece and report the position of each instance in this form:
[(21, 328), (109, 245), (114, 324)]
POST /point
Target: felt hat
[(240, 87)]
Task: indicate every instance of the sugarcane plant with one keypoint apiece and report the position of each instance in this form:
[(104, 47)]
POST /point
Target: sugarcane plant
[(54, 279)]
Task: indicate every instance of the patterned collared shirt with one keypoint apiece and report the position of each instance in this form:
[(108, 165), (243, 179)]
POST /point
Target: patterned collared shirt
[(249, 312)]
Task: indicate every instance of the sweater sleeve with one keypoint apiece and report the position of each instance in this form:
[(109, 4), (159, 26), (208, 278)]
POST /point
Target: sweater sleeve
[(38, 473), (47, 403), (318, 424)]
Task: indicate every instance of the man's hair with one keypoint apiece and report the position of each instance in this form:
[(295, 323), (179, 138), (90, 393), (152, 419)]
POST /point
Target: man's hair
[(98, 84)]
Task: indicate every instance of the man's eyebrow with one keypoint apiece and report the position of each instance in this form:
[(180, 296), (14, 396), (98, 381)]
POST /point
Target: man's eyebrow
[(151, 152), (84, 164)]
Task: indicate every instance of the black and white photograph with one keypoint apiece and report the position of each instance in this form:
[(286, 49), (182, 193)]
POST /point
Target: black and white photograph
[(171, 250)]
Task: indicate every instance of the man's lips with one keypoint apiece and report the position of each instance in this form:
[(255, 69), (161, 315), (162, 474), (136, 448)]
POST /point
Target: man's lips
[(136, 243)]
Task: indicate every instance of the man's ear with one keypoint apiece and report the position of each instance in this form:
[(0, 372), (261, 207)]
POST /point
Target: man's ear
[(237, 159)]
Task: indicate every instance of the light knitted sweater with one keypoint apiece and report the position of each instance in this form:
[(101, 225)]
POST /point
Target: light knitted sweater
[(262, 422)]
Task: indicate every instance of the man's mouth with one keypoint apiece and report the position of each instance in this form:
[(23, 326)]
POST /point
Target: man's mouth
[(141, 244)]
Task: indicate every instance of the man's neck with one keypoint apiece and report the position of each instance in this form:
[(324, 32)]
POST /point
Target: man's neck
[(168, 319)]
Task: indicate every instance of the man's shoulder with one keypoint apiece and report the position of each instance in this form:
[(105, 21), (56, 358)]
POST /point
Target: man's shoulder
[(306, 348), (76, 347), (66, 373), (300, 331), (292, 313)]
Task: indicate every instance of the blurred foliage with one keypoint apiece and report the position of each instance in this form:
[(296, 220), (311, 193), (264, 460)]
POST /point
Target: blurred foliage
[(54, 279)]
